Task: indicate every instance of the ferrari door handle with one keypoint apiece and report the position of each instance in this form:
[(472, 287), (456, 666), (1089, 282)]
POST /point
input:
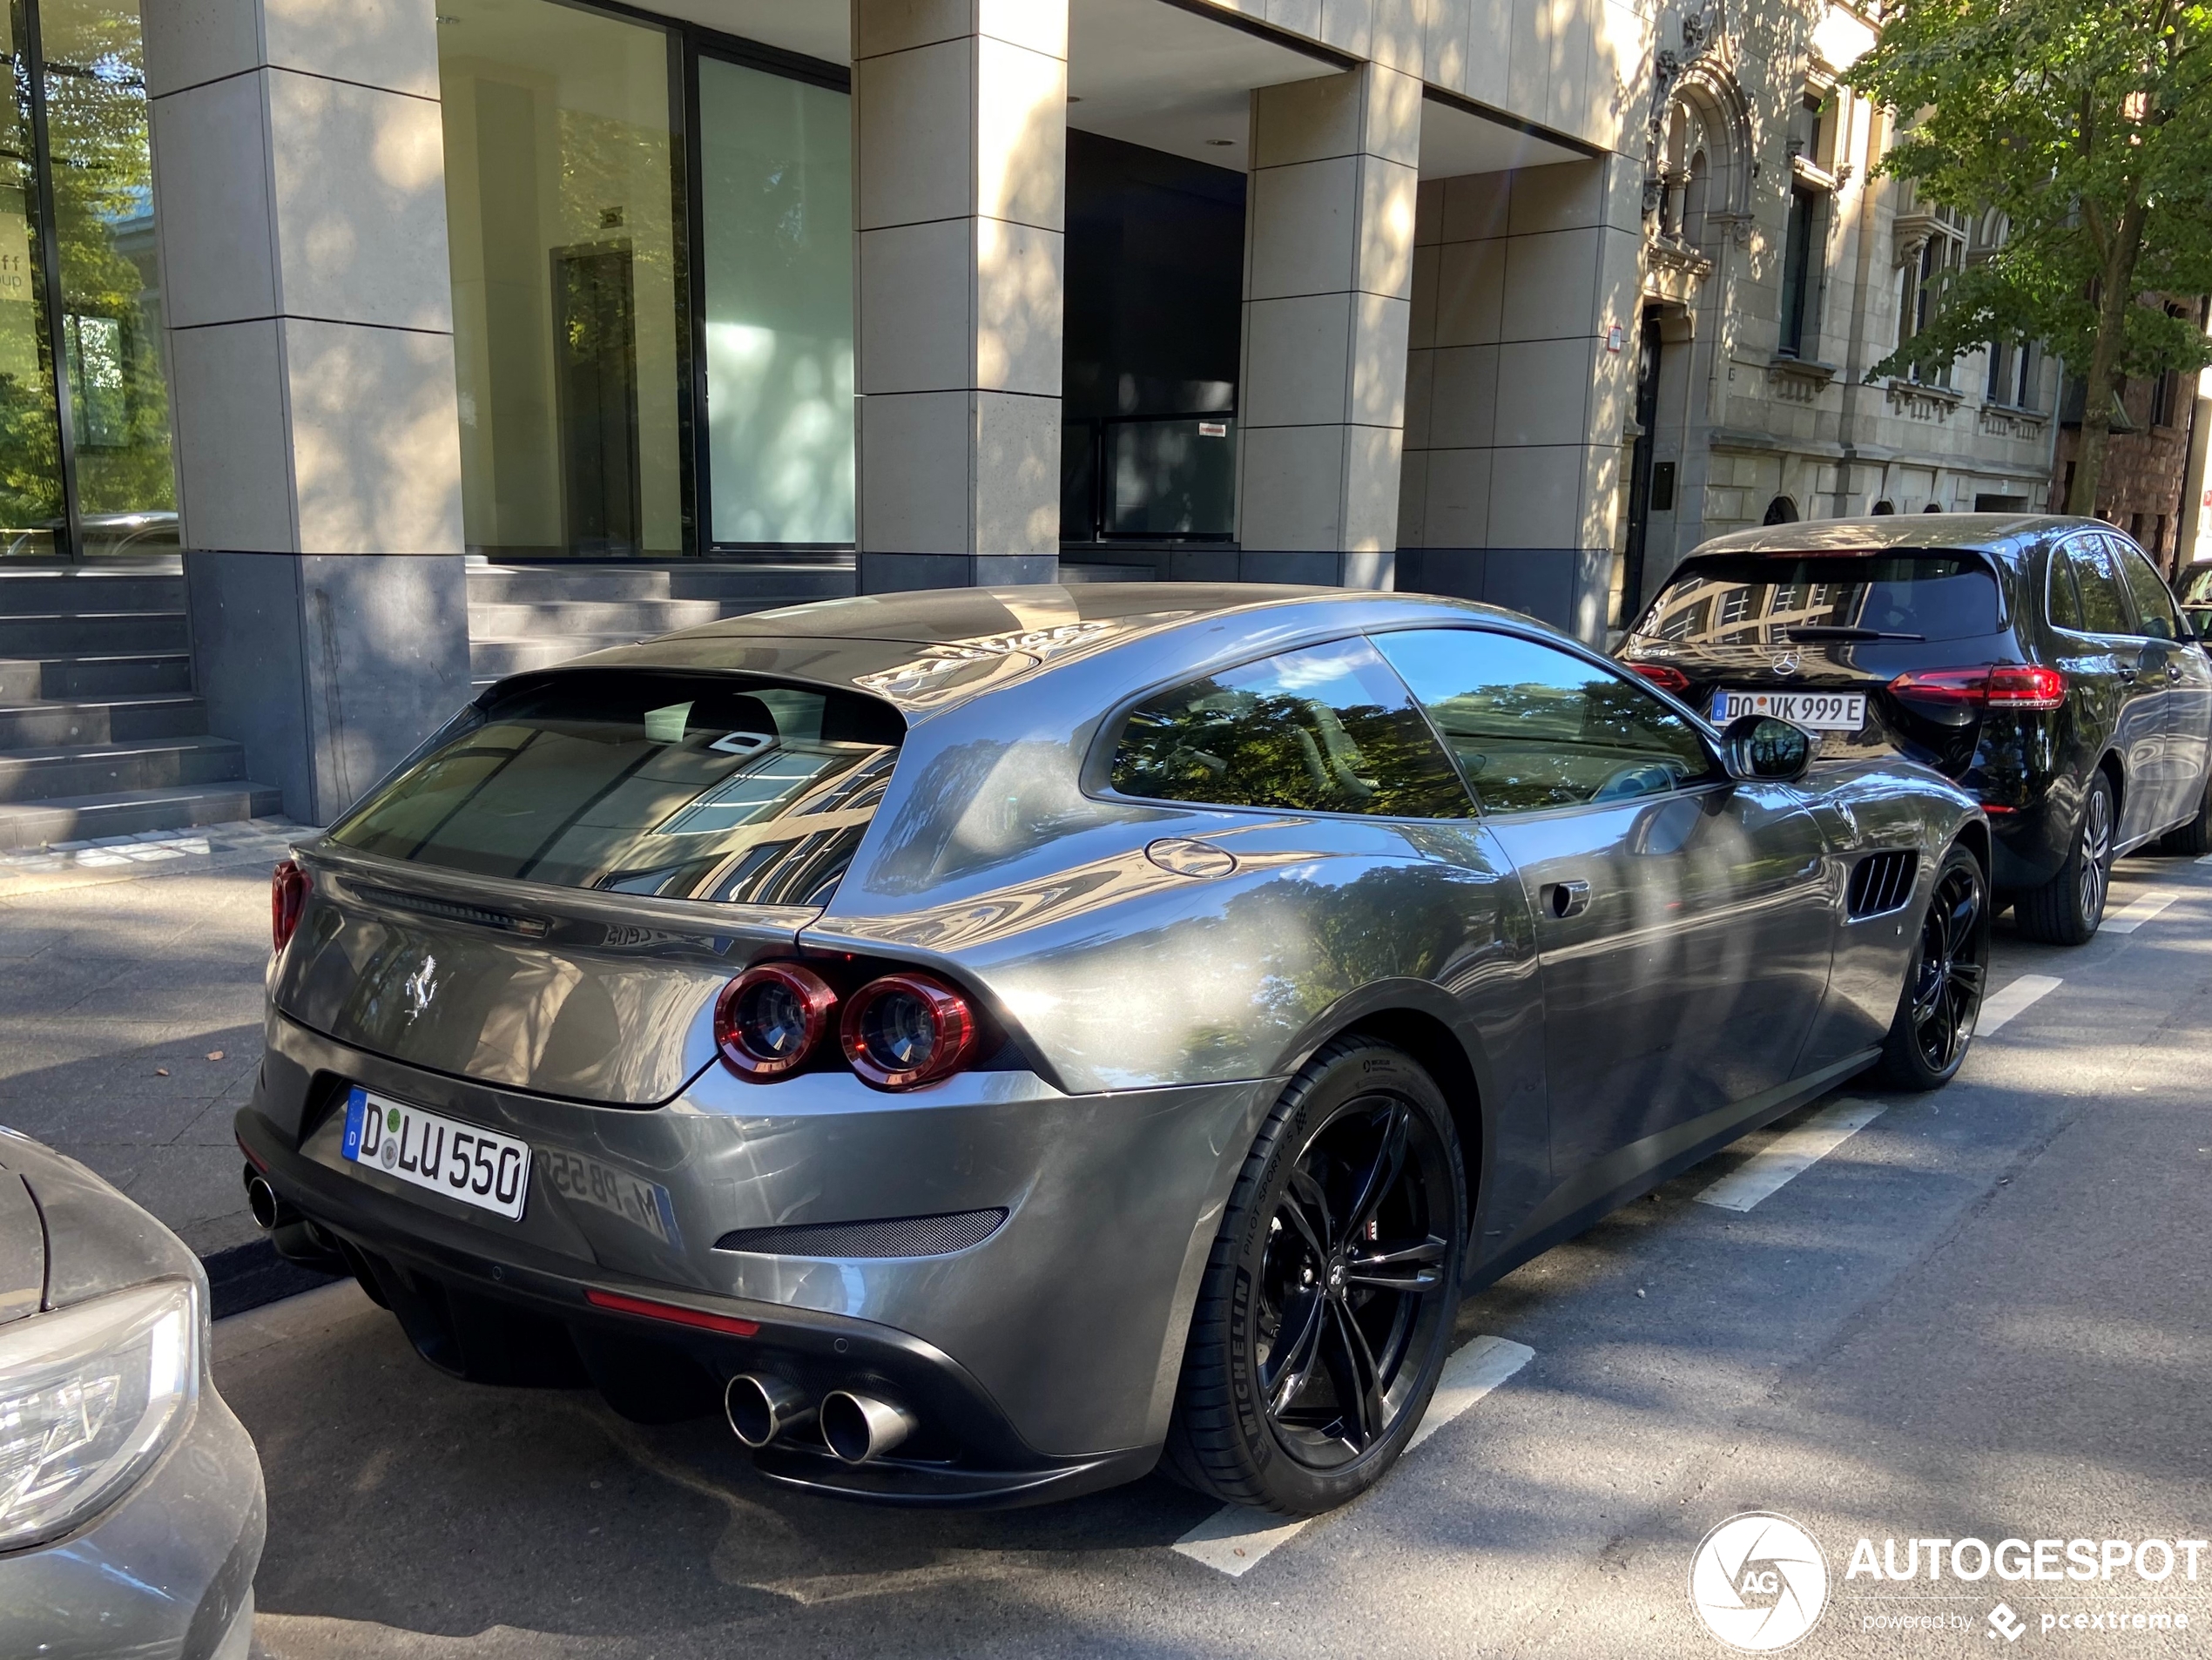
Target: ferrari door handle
[(1566, 899)]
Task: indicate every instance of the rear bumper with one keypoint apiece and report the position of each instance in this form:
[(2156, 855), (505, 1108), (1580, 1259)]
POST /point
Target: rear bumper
[(1042, 1361), (2031, 844), (481, 1317)]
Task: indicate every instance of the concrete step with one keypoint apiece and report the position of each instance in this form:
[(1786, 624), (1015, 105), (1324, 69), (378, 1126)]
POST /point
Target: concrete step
[(23, 679), (491, 659), (89, 588), (32, 775), (127, 812), (120, 720), (638, 617), (72, 633), (829, 579)]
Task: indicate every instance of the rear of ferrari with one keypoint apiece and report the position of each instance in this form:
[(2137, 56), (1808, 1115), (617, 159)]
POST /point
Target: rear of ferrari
[(559, 1070)]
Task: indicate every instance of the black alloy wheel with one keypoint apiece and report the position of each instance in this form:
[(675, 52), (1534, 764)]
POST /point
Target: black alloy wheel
[(1944, 982), (2067, 909), (1326, 1309), (1350, 1265)]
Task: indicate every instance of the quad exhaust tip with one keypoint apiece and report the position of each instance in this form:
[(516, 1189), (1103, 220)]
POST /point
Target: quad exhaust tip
[(270, 1212), (860, 1427), (760, 1409)]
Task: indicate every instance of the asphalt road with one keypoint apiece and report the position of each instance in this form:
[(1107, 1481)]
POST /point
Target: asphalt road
[(1983, 1314)]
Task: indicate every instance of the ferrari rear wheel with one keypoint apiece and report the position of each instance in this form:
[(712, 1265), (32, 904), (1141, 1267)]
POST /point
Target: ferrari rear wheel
[(1325, 1312), (1944, 982)]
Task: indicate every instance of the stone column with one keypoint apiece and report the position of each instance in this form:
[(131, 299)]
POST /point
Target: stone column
[(960, 112), (1328, 278), (300, 198), (1522, 387)]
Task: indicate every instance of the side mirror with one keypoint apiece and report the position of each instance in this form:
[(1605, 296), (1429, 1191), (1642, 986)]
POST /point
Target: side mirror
[(1759, 746)]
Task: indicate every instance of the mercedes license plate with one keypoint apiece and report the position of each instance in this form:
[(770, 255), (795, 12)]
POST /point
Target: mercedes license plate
[(478, 1167), (1814, 711)]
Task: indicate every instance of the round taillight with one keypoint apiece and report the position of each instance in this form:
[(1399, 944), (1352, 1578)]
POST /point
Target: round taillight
[(768, 1020), (905, 1031), (288, 886)]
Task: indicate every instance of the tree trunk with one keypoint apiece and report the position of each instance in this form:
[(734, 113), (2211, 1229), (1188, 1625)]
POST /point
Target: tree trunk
[(2119, 294)]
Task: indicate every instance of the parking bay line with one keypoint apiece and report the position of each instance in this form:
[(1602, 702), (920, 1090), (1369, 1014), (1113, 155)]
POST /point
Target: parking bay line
[(2001, 1006), (2132, 915), (1234, 1539), (1790, 1155)]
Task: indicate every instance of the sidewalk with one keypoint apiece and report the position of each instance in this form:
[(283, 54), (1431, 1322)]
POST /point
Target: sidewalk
[(131, 1010)]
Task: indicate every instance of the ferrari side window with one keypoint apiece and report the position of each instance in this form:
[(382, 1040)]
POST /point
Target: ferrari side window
[(1534, 728), (1327, 729)]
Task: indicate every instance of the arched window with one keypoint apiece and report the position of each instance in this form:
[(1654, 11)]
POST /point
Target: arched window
[(1781, 510)]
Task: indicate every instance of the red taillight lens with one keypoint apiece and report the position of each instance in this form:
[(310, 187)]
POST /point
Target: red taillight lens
[(288, 887), (1661, 675), (770, 1018), (2025, 686), (1998, 685), (906, 1030)]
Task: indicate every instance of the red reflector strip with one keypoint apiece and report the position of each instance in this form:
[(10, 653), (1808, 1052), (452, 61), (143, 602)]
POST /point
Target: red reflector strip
[(1991, 807), (1660, 674), (251, 1157), (674, 1313)]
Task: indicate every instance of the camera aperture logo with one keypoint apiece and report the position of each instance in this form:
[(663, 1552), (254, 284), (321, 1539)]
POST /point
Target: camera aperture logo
[(1759, 1581)]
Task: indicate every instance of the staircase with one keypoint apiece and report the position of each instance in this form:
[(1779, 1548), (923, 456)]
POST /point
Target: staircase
[(100, 734), (531, 616)]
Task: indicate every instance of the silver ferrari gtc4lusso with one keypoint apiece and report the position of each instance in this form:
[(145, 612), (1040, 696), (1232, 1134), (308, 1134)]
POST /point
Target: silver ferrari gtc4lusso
[(990, 1043)]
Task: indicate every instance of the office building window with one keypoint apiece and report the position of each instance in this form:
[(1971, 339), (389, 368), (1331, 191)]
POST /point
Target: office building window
[(80, 288), (651, 242)]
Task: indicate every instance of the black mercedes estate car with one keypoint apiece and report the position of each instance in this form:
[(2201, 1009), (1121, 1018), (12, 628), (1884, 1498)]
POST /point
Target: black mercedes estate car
[(2040, 663)]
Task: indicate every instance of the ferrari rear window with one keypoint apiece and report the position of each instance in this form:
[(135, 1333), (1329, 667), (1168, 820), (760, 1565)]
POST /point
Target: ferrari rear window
[(1765, 600), (686, 787)]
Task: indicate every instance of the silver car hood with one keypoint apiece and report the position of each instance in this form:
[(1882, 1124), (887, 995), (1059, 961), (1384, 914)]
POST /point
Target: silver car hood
[(66, 1236)]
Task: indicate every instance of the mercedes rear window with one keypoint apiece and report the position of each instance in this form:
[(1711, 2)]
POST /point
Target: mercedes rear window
[(1766, 599), (684, 787)]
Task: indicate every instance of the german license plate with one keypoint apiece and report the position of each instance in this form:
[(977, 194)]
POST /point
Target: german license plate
[(476, 1166), (1814, 711), (642, 1204)]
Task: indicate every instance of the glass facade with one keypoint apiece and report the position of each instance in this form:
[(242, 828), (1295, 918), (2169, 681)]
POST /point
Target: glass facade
[(84, 457), (562, 172), (776, 256), (651, 248)]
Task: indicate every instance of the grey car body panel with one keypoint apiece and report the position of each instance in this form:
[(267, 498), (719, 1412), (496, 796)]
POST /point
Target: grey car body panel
[(1161, 970), (165, 1571)]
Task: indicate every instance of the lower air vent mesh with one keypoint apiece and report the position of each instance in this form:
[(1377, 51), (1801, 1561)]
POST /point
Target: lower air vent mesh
[(1881, 883), (902, 1236)]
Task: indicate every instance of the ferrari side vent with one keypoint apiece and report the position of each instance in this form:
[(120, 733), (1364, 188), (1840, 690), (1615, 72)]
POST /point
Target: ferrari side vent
[(1881, 882)]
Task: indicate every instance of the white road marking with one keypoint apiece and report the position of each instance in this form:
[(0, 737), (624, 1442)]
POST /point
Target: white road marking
[(2001, 1006), (1233, 1540), (2133, 917), (1766, 1171)]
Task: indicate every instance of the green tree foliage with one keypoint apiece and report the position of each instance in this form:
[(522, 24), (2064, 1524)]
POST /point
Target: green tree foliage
[(2087, 124)]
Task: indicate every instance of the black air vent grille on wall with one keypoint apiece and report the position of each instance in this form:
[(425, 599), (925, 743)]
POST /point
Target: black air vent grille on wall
[(903, 1236), (1882, 882)]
